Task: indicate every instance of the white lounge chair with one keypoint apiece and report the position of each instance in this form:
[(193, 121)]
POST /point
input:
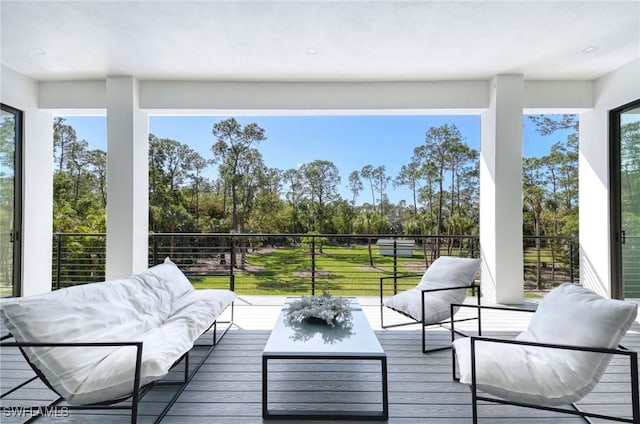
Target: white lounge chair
[(445, 282), (558, 360)]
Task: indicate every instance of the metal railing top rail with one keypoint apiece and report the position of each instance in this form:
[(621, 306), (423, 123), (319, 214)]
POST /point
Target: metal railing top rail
[(372, 235), (443, 236)]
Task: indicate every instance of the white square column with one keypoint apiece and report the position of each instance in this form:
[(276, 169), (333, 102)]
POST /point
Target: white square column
[(127, 179), (502, 277)]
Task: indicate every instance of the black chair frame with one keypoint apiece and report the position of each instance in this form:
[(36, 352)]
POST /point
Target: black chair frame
[(621, 351), (475, 291), (137, 392)]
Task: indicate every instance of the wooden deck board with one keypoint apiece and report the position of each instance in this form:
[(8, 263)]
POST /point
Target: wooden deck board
[(227, 388)]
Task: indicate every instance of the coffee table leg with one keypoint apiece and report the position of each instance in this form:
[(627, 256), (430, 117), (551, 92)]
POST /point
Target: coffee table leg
[(385, 391), (265, 373)]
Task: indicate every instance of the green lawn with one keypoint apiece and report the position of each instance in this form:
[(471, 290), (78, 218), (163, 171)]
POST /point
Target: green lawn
[(341, 270), (531, 256)]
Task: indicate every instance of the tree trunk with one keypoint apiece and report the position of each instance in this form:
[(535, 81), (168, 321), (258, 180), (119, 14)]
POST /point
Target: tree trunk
[(537, 213)]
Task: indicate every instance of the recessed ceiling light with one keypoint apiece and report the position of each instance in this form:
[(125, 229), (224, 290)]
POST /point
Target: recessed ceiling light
[(589, 49), (311, 51), (39, 51)]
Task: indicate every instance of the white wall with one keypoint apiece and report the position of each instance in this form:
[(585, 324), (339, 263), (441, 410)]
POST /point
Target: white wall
[(22, 93), (615, 89)]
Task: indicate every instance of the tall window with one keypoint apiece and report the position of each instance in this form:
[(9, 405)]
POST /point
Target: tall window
[(10, 200), (625, 200)]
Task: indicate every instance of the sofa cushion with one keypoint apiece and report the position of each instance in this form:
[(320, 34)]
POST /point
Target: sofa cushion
[(570, 315), (112, 377), (110, 310), (446, 271), (171, 278)]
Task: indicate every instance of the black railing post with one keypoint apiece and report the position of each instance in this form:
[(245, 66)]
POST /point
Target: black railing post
[(58, 260), (395, 264), (571, 260), (232, 264), (313, 265), (155, 249)]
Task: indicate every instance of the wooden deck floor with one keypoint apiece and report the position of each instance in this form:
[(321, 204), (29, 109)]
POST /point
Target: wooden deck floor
[(227, 388)]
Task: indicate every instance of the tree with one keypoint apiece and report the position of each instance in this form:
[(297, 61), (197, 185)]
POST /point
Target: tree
[(322, 178), (253, 179), (367, 172), (356, 186), (409, 176), (63, 135), (98, 166), (440, 143), (196, 164), (547, 125), (381, 181), (533, 196), (79, 183), (292, 180), (170, 164), (232, 150), (426, 193)]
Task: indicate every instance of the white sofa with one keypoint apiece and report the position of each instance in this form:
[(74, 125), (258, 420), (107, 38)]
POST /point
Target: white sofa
[(158, 307)]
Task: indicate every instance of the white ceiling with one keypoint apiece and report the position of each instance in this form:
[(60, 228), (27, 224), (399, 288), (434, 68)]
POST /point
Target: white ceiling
[(351, 40)]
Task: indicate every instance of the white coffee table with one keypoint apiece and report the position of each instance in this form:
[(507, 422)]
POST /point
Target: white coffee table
[(322, 342)]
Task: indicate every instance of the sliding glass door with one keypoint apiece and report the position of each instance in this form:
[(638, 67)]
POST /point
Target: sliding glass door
[(625, 200), (10, 200)]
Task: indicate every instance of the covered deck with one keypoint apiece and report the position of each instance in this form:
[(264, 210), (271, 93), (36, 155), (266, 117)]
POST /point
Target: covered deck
[(227, 388)]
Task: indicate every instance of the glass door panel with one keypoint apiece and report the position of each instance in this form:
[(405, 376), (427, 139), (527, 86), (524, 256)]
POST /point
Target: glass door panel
[(10, 133), (628, 135)]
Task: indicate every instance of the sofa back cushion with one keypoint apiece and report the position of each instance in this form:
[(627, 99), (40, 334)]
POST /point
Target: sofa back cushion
[(170, 278), (111, 310)]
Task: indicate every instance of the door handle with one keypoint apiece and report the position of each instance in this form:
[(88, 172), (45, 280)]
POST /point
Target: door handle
[(623, 237)]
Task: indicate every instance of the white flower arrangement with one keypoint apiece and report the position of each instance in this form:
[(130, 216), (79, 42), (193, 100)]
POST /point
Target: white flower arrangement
[(325, 308)]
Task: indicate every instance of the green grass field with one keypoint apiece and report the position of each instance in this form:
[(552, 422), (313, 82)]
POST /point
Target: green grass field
[(340, 270)]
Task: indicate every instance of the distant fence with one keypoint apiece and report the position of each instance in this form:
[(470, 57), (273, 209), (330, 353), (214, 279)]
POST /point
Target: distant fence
[(288, 264)]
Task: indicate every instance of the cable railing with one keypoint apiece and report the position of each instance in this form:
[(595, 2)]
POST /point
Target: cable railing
[(304, 264)]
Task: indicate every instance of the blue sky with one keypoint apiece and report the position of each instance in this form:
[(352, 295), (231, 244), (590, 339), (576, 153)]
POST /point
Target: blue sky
[(350, 142)]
